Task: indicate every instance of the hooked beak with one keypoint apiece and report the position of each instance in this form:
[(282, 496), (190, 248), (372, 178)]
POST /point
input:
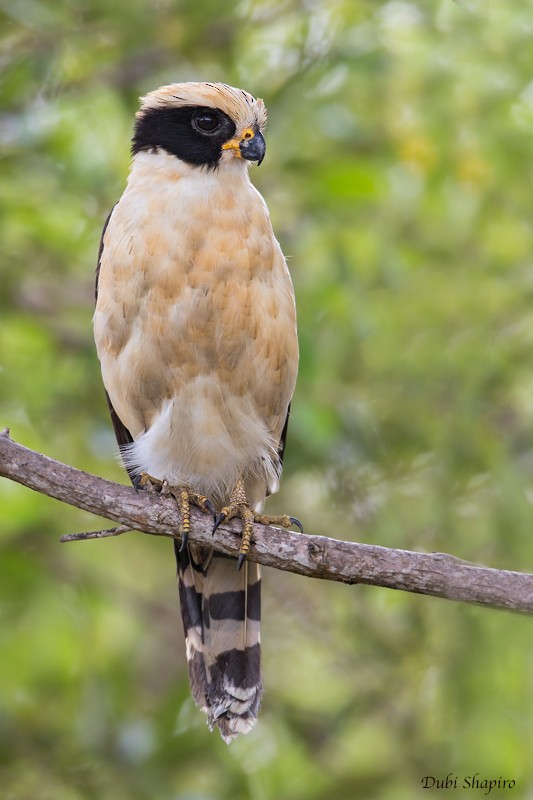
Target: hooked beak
[(253, 149), (250, 144)]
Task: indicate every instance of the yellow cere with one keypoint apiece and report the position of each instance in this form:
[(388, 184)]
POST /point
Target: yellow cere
[(234, 143)]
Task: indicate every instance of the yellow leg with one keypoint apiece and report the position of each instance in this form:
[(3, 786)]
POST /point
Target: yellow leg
[(240, 507), (184, 497)]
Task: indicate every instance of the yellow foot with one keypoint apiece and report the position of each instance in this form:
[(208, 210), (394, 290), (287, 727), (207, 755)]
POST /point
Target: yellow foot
[(146, 482), (184, 496), (240, 507)]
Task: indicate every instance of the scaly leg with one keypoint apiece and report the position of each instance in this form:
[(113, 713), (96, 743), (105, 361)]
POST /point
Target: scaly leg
[(184, 497), (240, 507)]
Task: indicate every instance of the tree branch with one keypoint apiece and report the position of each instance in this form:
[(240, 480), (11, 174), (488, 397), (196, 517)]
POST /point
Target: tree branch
[(436, 574)]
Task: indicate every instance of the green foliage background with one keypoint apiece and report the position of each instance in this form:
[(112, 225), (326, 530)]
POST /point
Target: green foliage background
[(399, 178)]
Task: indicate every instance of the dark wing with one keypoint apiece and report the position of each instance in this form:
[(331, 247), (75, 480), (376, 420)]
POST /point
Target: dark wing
[(121, 432), (123, 435), (283, 439), (281, 450), (100, 251)]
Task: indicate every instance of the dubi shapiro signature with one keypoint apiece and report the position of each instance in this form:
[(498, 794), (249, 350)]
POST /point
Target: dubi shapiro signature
[(452, 781)]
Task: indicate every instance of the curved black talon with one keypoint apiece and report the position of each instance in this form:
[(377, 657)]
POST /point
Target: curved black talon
[(136, 483), (184, 542), (210, 507), (296, 521), (241, 560), (219, 519)]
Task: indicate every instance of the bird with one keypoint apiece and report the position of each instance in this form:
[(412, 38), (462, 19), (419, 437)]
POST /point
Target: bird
[(195, 331)]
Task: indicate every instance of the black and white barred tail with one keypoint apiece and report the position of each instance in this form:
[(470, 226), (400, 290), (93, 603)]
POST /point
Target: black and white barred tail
[(221, 611)]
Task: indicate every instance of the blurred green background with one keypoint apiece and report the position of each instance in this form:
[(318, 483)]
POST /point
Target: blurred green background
[(399, 178)]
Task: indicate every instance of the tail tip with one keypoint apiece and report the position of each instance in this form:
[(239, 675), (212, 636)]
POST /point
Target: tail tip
[(231, 726)]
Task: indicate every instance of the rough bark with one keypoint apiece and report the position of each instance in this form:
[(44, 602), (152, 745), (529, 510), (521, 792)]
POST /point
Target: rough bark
[(437, 574)]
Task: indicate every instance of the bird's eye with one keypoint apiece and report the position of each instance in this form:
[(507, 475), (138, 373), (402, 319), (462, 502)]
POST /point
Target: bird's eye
[(206, 122)]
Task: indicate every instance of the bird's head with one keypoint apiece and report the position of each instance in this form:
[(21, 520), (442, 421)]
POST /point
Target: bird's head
[(203, 124)]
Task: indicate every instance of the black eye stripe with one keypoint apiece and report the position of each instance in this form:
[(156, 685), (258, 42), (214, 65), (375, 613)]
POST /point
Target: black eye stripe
[(176, 131)]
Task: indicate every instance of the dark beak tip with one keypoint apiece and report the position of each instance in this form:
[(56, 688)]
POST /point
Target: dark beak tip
[(254, 149)]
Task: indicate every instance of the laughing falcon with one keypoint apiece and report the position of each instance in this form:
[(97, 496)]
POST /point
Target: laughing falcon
[(195, 328)]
